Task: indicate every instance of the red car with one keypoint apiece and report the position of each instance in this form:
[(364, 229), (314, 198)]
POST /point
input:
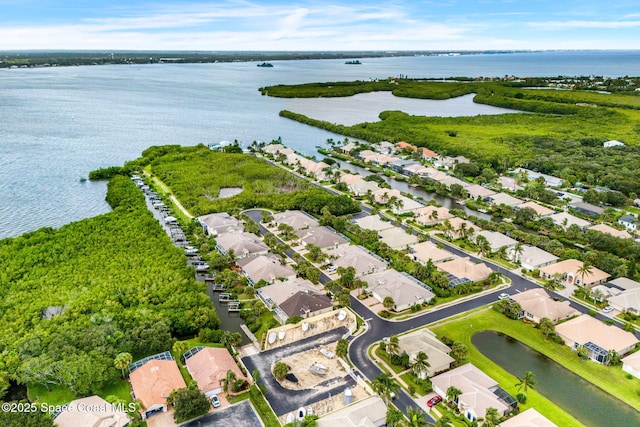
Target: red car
[(434, 401)]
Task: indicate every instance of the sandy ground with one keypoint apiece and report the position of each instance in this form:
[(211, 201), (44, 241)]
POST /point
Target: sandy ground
[(301, 362)]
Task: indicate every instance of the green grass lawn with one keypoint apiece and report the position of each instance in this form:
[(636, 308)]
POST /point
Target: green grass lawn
[(613, 380), (57, 395), (382, 355)]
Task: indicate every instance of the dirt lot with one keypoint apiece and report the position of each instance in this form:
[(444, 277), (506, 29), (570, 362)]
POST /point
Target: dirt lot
[(300, 364)]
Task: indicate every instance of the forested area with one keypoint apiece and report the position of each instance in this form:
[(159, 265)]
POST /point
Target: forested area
[(72, 299), (196, 175), (561, 134)]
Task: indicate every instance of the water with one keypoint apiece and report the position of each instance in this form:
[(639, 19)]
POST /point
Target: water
[(58, 124), (584, 401)]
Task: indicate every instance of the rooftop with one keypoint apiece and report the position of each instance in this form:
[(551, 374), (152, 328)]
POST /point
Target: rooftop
[(603, 228), (279, 292), (296, 219), (570, 267), (586, 329), (265, 267), (304, 302), (504, 199), (464, 268), (357, 257), (537, 302), (155, 380), (402, 288), (528, 418), (428, 250), (321, 236), (208, 366), (566, 220), (479, 191), (497, 240), (81, 413), (397, 238), (540, 210), (373, 222)]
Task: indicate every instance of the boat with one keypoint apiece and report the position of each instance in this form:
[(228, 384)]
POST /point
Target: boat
[(301, 412), (342, 315), (305, 326), (272, 338), (290, 418), (281, 335), (266, 64), (354, 62)]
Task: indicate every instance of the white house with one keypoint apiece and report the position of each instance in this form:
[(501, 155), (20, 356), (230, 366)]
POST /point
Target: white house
[(631, 364), (630, 222)]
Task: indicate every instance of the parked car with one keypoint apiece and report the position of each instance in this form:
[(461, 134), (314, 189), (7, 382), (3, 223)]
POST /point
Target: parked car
[(504, 296), (607, 309), (215, 401), (434, 401)]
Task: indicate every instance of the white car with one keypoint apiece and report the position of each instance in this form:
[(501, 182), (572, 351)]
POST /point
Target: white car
[(215, 401), (504, 296), (607, 309)]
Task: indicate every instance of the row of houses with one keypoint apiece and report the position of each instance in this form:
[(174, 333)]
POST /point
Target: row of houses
[(310, 167)]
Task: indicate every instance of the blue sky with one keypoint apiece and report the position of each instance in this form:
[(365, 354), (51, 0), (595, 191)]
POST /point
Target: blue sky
[(319, 25)]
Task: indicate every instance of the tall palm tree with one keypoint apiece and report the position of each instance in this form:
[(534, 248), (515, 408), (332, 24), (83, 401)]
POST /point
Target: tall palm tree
[(385, 385), (584, 270), (393, 346), (228, 381), (421, 365), (547, 327), (484, 248), (491, 418), (122, 361), (462, 230), (416, 417), (459, 351), (527, 381), (394, 417), (518, 249), (447, 229), (453, 394)]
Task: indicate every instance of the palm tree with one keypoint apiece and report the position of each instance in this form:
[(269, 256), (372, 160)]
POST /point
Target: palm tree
[(459, 351), (484, 248), (491, 418), (388, 303), (502, 252), (394, 417), (180, 347), (518, 249), (393, 346), (122, 361), (280, 370), (453, 394), (584, 270), (421, 365), (444, 421), (547, 327), (527, 381), (228, 381), (462, 230), (613, 358), (384, 385), (447, 229), (416, 417)]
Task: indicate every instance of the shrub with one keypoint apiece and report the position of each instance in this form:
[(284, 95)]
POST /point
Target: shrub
[(384, 314), (522, 398), (592, 313)]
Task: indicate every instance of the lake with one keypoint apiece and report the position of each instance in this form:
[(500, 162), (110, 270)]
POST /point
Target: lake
[(58, 124)]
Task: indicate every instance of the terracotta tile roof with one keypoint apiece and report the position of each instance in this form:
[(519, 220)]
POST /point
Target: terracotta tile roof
[(584, 329), (155, 380), (210, 365)]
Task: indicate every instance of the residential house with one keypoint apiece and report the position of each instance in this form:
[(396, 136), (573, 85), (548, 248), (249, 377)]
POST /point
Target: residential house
[(528, 418), (273, 148), (220, 223), (497, 240), (397, 238), (624, 284), (428, 154), (405, 290), (587, 208), (348, 147), (402, 145), (362, 187), (383, 195), (399, 165), (626, 301), (92, 411), (449, 180), (604, 292), (631, 364), (447, 163), (630, 222), (612, 143), (279, 292), (568, 271), (463, 270), (566, 220), (425, 251), (540, 210), (426, 342), (364, 154), (550, 181), (323, 237), (504, 199), (429, 215), (265, 267), (531, 257), (208, 367), (299, 220), (350, 179), (404, 205), (603, 228), (597, 337), (242, 244), (537, 304), (306, 304), (479, 392), (385, 147), (373, 222), (152, 381), (459, 224), (369, 412), (478, 191), (417, 170), (508, 183), (357, 257)]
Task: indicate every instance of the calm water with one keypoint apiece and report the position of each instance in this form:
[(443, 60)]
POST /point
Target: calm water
[(60, 123), (587, 403)]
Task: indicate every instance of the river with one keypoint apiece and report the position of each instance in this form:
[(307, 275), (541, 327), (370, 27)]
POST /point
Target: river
[(584, 401)]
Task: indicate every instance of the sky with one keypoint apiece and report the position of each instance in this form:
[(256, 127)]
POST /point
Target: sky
[(336, 25)]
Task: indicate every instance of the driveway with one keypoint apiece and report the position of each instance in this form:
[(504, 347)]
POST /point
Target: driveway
[(284, 400), (239, 415)]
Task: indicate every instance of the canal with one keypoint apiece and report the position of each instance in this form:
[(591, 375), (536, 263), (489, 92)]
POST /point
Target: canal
[(229, 321), (584, 401)]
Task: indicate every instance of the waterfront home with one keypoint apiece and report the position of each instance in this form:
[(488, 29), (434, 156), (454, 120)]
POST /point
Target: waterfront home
[(369, 412), (568, 269), (447, 163), (385, 147), (429, 251), (242, 244), (265, 267), (540, 210), (537, 304), (405, 290), (383, 195), (630, 222), (528, 418), (427, 154), (479, 392), (350, 179), (597, 337), (429, 215), (357, 257), (92, 411), (459, 224), (426, 342), (402, 145), (405, 204), (566, 220), (208, 367), (497, 240), (348, 147), (587, 208), (531, 257), (503, 199), (449, 181), (299, 220), (364, 154), (362, 187), (631, 364), (417, 170), (152, 381), (463, 270), (323, 237), (306, 304), (373, 222), (274, 149), (279, 292), (397, 238), (478, 191), (220, 223), (603, 228), (550, 181)]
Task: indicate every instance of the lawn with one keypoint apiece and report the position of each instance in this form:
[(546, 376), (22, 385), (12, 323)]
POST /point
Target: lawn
[(382, 355), (609, 379)]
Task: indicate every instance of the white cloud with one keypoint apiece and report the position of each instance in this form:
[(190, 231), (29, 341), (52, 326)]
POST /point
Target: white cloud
[(565, 25)]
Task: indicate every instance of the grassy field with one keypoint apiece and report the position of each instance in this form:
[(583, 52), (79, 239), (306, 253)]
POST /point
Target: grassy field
[(613, 380)]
